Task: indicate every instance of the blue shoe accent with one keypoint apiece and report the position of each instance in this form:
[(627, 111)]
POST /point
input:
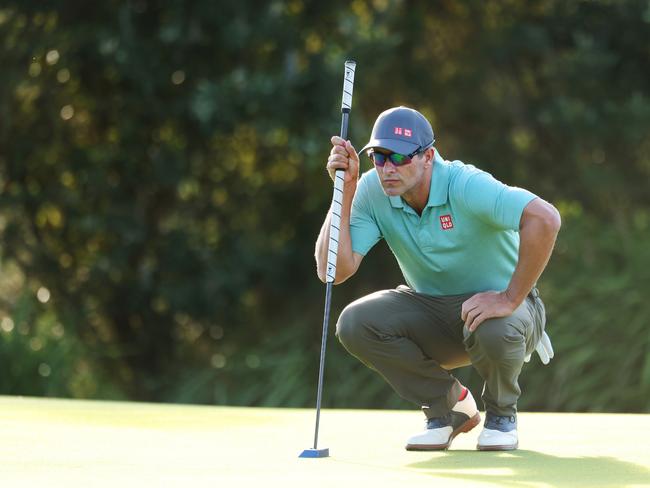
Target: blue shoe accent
[(439, 422), (454, 419), (502, 423)]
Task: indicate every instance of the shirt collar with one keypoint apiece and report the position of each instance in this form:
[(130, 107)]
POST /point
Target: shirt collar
[(439, 189)]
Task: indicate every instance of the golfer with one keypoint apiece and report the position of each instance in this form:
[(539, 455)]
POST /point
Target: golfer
[(471, 250)]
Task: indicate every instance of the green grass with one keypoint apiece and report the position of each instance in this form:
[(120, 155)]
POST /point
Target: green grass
[(72, 443)]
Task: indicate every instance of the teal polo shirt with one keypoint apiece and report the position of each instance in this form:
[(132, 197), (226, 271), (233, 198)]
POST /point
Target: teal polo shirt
[(467, 239)]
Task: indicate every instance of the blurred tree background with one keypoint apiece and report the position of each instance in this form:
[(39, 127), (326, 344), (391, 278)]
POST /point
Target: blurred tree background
[(162, 185)]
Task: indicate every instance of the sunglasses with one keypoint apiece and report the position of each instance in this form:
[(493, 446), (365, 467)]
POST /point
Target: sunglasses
[(379, 159)]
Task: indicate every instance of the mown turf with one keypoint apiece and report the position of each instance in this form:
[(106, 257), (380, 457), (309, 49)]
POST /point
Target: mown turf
[(72, 443)]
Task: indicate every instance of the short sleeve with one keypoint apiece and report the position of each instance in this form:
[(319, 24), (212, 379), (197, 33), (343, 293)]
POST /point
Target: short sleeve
[(491, 201), (364, 231)]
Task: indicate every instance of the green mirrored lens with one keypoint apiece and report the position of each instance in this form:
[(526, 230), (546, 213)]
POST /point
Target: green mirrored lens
[(398, 158)]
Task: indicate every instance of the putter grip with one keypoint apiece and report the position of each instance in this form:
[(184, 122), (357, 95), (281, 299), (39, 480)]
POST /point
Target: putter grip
[(337, 197), (348, 86), (335, 225)]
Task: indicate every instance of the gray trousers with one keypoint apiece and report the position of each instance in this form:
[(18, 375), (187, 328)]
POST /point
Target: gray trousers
[(413, 340)]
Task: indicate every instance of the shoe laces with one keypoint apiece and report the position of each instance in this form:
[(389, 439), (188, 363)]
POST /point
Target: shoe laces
[(438, 422), (499, 422)]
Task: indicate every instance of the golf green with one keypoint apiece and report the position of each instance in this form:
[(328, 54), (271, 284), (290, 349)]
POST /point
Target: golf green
[(73, 443)]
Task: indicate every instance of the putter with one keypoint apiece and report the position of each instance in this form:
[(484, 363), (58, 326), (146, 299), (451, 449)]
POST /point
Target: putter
[(332, 250)]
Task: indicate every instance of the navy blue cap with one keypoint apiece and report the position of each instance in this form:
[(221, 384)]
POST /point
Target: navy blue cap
[(401, 130)]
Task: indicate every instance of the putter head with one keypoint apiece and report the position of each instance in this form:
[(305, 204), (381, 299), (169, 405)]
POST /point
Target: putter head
[(315, 453)]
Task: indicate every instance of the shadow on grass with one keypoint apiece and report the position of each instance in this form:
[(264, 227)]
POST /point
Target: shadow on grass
[(525, 468)]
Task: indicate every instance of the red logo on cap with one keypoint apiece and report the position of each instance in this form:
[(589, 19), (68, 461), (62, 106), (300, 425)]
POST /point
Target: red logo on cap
[(446, 222), (401, 131)]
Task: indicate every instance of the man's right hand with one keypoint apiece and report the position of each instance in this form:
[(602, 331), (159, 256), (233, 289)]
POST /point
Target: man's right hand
[(343, 156)]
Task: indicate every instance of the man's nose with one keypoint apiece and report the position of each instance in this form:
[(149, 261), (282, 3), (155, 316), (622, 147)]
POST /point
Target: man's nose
[(389, 167)]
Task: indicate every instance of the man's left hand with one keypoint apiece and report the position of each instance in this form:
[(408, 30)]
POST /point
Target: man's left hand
[(486, 305)]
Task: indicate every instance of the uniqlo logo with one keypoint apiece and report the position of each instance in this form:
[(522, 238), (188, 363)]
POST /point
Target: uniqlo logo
[(400, 131), (446, 222)]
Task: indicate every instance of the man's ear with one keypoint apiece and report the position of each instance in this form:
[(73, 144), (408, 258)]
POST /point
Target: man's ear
[(430, 155)]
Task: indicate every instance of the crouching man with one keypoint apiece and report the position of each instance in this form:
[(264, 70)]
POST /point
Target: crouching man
[(471, 250)]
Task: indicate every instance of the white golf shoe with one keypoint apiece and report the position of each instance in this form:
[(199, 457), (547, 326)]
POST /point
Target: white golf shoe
[(499, 433), (440, 431)]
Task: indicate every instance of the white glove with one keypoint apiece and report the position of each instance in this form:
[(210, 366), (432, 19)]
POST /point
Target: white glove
[(544, 349)]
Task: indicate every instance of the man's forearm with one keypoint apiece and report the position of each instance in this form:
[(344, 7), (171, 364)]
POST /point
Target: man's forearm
[(539, 229), (345, 261)]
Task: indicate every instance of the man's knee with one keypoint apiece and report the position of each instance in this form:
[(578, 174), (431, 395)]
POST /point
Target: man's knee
[(349, 327), (499, 340)]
